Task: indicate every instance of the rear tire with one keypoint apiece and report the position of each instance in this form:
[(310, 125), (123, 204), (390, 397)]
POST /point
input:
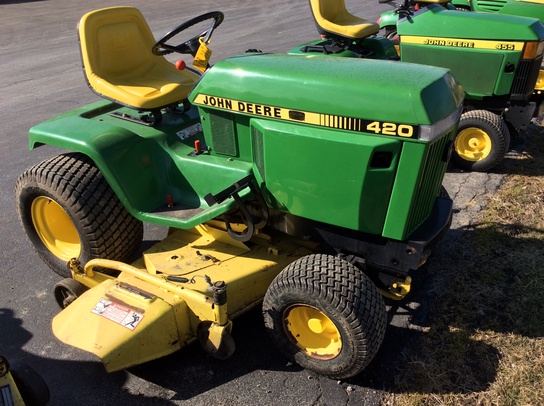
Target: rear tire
[(68, 210), (391, 34), (482, 141), (326, 315)]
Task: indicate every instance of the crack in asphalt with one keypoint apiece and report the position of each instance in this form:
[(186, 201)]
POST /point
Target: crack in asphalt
[(470, 192)]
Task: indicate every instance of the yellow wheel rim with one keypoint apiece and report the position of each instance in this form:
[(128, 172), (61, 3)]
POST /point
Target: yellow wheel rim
[(473, 144), (55, 228), (540, 81), (312, 332)]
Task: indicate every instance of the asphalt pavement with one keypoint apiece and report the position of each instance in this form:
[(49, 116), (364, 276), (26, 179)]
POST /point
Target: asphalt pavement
[(41, 77)]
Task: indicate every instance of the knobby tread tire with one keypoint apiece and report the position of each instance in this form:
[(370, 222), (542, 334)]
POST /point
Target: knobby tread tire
[(105, 227), (345, 295), (498, 132)]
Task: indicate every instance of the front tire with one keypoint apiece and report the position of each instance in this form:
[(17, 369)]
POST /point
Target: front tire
[(482, 141), (68, 210), (326, 315)]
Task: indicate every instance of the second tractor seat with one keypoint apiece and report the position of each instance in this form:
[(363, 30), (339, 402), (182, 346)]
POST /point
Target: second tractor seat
[(118, 63), (332, 18)]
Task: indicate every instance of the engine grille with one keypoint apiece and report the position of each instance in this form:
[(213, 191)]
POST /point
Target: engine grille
[(223, 133), (430, 182), (491, 5), (525, 79)]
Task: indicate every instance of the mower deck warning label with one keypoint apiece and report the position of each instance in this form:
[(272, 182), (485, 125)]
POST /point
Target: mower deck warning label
[(118, 313)]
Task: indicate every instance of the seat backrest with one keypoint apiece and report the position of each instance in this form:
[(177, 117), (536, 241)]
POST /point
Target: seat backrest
[(115, 42), (333, 18), (329, 10), (116, 49)]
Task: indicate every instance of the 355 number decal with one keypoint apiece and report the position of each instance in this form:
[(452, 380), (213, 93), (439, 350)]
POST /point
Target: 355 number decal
[(400, 130)]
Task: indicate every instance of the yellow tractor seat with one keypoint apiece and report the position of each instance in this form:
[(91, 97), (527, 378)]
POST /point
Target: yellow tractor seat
[(332, 18), (118, 63)]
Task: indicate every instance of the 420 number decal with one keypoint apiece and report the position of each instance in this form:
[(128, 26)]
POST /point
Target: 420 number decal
[(369, 126), (399, 130)]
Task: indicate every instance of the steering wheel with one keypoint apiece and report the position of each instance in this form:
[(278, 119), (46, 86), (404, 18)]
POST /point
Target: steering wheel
[(191, 46)]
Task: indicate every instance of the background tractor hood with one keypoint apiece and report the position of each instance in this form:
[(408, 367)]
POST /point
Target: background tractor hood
[(436, 21)]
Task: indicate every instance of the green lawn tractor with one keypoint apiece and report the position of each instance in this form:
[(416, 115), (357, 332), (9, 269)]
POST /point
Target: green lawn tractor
[(310, 185), (523, 8), (496, 58)]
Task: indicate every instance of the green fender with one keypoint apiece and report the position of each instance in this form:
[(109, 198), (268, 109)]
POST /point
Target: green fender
[(144, 164), (388, 19), (105, 144)]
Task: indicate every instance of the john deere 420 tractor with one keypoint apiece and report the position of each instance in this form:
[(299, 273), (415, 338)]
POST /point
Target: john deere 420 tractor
[(496, 58), (279, 186)]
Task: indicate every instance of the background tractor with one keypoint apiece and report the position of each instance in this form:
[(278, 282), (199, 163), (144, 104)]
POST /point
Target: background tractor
[(533, 9), (496, 58), (523, 8), (280, 185)]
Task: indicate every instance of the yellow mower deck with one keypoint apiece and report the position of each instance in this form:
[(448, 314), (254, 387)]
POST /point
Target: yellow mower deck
[(141, 315)]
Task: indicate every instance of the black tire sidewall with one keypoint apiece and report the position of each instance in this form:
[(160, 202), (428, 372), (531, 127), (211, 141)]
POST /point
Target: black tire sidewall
[(500, 140), (27, 195), (105, 228), (345, 295), (337, 365)]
